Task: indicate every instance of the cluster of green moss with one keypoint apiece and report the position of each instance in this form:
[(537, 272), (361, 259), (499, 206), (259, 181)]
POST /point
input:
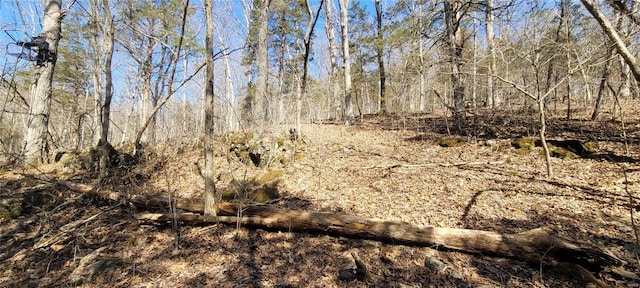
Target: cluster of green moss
[(10, 208), (564, 149), (261, 188), (524, 143), (450, 142)]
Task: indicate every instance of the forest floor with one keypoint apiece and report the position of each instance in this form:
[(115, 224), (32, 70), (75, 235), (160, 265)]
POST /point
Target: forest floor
[(386, 167)]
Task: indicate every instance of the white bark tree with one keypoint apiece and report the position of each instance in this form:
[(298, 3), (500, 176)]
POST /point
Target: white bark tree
[(492, 100), (35, 148), (102, 41), (333, 54), (346, 60)]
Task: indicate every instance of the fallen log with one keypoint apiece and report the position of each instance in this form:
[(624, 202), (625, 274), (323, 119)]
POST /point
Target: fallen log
[(534, 246)]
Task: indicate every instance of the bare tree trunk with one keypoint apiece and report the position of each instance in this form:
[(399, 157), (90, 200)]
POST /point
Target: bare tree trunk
[(474, 63), (491, 96), (158, 101), (210, 207), (543, 129), (35, 148), (262, 61), (423, 96), (564, 14), (625, 77), (455, 40), (606, 71), (145, 68), (613, 34), (307, 49), (281, 69), (103, 68), (346, 58), (231, 120), (379, 55), (333, 50)]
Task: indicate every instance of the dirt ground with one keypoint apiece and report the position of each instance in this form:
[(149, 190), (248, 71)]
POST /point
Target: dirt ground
[(383, 167)]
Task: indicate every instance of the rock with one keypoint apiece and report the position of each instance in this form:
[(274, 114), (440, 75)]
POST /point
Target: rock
[(348, 274), (450, 142), (264, 194), (525, 143), (434, 264), (90, 265), (10, 208)]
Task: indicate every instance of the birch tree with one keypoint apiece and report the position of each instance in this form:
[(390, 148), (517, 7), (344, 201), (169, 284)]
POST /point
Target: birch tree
[(35, 148), (333, 54), (102, 42), (492, 100), (346, 60)]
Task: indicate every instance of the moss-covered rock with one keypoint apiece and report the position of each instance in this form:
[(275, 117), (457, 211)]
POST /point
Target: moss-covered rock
[(71, 161), (10, 208), (263, 151), (265, 194), (563, 154), (450, 142), (527, 143), (271, 176), (261, 188), (234, 190)]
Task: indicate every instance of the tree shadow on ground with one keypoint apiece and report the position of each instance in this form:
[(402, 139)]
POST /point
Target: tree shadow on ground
[(563, 225), (578, 225), (505, 125), (264, 258), (585, 193), (610, 156), (23, 243)]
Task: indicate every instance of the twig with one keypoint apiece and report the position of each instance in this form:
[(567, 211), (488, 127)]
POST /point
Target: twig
[(633, 224), (400, 165), (65, 230)]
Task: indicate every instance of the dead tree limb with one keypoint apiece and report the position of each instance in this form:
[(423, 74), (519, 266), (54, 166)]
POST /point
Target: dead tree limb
[(533, 246)]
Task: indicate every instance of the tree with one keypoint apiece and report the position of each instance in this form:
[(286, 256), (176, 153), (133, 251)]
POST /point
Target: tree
[(35, 149), (346, 60), (453, 12), (263, 68), (492, 100), (155, 46), (286, 36), (333, 50), (209, 181), (102, 42), (614, 36), (307, 49), (256, 60), (379, 55)]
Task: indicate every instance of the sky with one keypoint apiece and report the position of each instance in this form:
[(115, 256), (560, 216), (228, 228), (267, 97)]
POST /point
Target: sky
[(20, 20)]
